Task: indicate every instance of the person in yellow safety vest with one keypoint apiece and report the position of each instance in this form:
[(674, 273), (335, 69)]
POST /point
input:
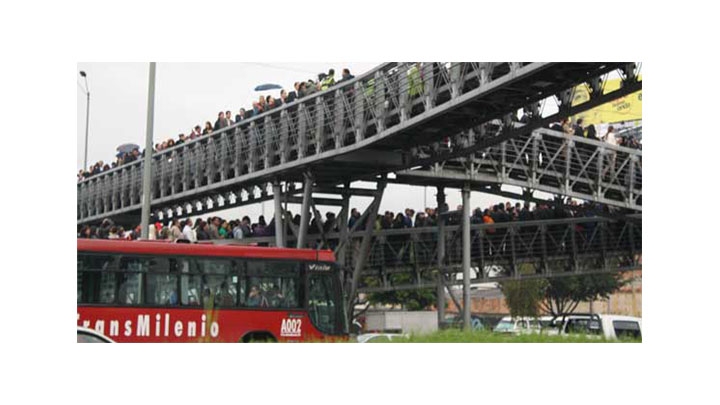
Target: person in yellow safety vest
[(415, 84), (329, 80), (370, 88)]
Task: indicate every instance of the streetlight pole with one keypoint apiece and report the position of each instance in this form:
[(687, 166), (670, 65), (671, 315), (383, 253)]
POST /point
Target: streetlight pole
[(87, 117), (147, 164)]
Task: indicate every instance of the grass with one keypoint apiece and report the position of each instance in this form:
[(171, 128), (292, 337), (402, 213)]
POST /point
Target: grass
[(458, 336)]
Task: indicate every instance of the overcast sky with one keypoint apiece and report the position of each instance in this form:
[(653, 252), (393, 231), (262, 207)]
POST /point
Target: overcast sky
[(188, 94)]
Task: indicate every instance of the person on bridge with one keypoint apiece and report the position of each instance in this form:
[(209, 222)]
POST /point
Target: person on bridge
[(240, 115), (214, 228), (409, 213), (221, 122), (201, 231), (578, 128), (328, 81), (301, 90), (188, 232), (592, 132), (346, 76), (175, 232), (610, 137), (196, 132), (208, 128), (415, 84)]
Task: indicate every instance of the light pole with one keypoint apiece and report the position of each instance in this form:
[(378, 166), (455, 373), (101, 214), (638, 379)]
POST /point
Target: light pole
[(87, 117), (147, 165)]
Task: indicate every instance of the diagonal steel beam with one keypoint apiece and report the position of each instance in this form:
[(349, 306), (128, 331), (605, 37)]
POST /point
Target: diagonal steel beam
[(365, 245)]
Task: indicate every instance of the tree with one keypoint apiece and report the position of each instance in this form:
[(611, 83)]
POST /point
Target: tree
[(563, 294), (523, 297), (412, 300)]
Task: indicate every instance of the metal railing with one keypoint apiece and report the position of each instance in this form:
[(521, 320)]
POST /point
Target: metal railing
[(551, 162), (518, 249), (348, 117)]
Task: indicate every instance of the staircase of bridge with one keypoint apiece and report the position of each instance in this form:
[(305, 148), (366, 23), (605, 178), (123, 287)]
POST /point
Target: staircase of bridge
[(377, 123), (415, 258), (547, 161)]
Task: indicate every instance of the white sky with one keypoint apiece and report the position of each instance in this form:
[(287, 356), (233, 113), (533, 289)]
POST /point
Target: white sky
[(188, 94)]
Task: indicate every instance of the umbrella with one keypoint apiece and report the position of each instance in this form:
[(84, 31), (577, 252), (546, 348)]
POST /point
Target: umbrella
[(127, 147), (268, 86)]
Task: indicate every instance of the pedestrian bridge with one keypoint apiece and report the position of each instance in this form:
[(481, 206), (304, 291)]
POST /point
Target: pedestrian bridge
[(413, 258), (389, 119), (547, 161)]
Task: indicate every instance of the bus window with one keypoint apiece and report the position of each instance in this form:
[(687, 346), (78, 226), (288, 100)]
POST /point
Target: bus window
[(190, 288), (272, 284), (217, 286), (130, 279), (130, 291), (273, 292), (96, 282), (162, 281)]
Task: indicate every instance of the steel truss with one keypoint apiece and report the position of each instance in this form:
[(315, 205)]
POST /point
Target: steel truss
[(547, 161), (379, 122), (408, 258)]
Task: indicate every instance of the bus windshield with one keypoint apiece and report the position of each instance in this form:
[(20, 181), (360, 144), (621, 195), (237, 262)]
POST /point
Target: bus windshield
[(324, 306)]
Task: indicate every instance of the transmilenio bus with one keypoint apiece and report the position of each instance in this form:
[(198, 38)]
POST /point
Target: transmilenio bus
[(152, 291)]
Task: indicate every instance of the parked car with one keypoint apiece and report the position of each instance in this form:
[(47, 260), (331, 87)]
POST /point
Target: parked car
[(602, 325), (517, 325), (380, 337), (85, 335)]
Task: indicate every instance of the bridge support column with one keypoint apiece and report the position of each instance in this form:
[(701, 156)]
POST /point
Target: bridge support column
[(279, 228), (466, 255), (372, 211), (305, 210), (343, 227), (441, 256)]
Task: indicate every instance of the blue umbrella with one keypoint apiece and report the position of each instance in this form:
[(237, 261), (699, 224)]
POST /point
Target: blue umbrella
[(268, 86)]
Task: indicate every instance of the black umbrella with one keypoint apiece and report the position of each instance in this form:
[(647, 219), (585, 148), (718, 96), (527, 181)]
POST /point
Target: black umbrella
[(268, 86), (127, 147)]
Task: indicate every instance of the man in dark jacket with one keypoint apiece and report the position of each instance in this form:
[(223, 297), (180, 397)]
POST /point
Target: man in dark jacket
[(240, 116), (346, 75)]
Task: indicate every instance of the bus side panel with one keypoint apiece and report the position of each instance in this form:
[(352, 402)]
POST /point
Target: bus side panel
[(174, 325)]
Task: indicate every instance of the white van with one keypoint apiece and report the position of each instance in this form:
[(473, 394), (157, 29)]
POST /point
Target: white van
[(605, 325), (517, 325)]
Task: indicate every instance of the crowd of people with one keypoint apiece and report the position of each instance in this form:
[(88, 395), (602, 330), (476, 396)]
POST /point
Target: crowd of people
[(225, 119), (323, 82), (216, 228), (611, 136)]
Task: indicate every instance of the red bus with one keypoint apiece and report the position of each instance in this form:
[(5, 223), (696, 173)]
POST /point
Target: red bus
[(143, 291)]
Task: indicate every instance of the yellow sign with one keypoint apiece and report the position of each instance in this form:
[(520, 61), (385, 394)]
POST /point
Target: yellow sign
[(628, 108)]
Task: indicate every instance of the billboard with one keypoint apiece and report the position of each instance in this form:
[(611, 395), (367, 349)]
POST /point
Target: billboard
[(628, 108)]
